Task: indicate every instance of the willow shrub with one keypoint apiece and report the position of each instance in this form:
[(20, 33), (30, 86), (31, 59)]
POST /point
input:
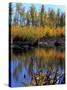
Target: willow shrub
[(35, 33)]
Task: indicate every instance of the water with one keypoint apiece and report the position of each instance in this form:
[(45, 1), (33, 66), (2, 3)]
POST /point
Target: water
[(47, 61)]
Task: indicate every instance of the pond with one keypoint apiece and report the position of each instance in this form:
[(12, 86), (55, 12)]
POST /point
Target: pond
[(37, 66)]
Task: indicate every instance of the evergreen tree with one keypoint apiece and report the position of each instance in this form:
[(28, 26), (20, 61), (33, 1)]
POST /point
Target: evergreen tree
[(51, 18), (62, 20), (33, 14), (42, 16), (58, 18)]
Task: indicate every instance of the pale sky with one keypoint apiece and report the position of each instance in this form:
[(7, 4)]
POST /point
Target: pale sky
[(38, 6)]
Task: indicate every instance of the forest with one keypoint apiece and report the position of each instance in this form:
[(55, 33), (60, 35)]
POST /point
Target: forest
[(33, 25)]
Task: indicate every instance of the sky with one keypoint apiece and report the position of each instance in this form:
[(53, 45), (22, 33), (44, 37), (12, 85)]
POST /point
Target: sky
[(38, 6)]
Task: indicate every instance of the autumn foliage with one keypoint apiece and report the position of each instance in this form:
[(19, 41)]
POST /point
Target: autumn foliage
[(35, 33)]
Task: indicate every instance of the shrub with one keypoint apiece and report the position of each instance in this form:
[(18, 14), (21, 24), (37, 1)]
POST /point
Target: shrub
[(35, 33)]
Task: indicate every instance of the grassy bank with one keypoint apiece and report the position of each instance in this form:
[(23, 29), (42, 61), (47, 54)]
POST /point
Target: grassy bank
[(35, 33)]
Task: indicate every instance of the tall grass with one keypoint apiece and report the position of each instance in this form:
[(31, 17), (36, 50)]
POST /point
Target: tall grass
[(35, 33)]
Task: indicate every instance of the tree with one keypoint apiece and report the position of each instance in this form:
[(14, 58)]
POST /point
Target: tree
[(37, 18), (16, 19), (62, 20), (58, 18), (21, 12), (33, 14), (42, 16), (28, 18), (51, 18)]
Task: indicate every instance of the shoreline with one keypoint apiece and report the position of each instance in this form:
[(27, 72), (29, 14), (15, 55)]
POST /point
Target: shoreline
[(48, 42)]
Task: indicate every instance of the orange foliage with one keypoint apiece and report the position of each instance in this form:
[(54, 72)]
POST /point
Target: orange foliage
[(35, 33)]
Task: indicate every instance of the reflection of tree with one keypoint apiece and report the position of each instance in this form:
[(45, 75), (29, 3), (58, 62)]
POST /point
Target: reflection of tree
[(30, 68), (17, 70), (31, 61)]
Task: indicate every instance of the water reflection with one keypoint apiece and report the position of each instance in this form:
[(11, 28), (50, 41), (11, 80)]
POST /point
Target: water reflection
[(47, 64)]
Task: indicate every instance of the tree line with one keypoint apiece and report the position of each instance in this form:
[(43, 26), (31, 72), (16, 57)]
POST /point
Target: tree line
[(42, 18)]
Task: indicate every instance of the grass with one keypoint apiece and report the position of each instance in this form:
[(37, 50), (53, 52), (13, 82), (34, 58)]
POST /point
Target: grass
[(35, 33)]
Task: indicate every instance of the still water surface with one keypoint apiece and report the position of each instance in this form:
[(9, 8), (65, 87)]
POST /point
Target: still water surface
[(45, 60)]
